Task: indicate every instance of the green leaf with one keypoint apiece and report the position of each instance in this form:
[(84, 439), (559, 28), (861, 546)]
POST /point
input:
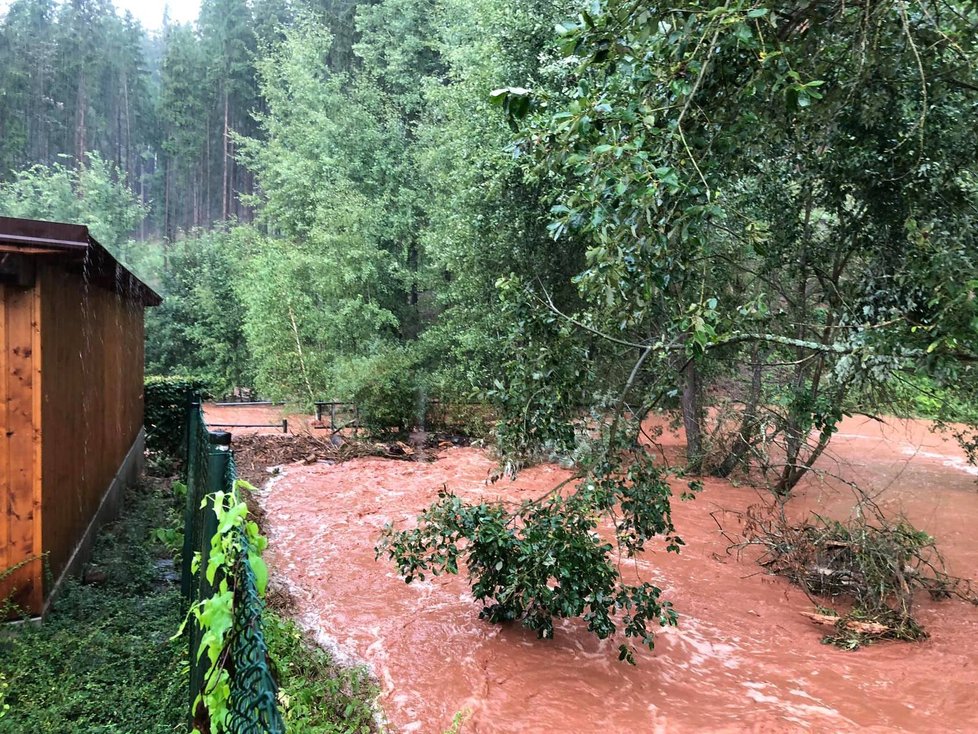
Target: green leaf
[(260, 570)]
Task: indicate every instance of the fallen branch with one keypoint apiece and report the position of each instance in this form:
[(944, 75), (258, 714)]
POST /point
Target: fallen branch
[(852, 625)]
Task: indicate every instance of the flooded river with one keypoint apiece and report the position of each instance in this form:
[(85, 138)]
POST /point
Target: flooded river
[(743, 658)]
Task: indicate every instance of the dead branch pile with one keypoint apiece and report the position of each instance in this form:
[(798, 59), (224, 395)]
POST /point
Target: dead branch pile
[(871, 564), (255, 453)]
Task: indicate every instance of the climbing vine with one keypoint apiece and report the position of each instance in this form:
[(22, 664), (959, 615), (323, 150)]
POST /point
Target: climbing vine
[(237, 540)]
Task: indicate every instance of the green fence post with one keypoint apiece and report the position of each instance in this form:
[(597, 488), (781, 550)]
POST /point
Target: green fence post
[(193, 427), (213, 479)]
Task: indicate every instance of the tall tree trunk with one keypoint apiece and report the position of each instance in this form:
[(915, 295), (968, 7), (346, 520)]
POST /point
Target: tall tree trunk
[(206, 182), (167, 213), (793, 432), (748, 425), (130, 168), (224, 162), (692, 407), (81, 104), (118, 137), (232, 179), (195, 203), (142, 196)]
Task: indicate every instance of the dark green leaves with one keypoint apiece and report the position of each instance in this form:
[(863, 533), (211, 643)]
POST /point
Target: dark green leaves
[(544, 561), (515, 102)]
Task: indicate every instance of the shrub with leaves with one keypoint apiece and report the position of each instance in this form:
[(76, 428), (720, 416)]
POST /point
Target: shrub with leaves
[(548, 559), (165, 411), (385, 388)]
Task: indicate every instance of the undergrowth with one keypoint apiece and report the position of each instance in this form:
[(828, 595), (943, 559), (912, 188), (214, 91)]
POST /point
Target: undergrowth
[(316, 695), (102, 661)]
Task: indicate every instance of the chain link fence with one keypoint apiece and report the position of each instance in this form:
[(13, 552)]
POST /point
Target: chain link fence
[(253, 703)]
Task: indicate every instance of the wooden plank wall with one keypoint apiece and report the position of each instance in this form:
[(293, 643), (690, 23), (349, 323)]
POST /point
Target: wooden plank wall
[(91, 406), (20, 515)]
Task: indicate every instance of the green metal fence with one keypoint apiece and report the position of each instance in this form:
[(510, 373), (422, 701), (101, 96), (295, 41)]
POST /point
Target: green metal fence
[(253, 705)]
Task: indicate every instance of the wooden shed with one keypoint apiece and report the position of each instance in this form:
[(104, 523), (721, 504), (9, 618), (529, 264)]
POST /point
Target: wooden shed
[(71, 400)]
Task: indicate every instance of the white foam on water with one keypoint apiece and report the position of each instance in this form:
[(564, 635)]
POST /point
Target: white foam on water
[(800, 712), (951, 462)]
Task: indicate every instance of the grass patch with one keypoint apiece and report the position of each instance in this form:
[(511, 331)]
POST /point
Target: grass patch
[(102, 662), (316, 695)]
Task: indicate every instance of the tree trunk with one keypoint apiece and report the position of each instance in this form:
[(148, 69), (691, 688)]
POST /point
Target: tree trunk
[(749, 423), (224, 163), (692, 407), (793, 433), (142, 195), (81, 104), (167, 213), (130, 167)]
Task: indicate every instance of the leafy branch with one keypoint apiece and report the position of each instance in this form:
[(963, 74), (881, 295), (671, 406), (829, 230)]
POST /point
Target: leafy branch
[(236, 541)]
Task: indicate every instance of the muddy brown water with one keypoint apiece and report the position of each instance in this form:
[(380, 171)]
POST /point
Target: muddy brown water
[(243, 418), (743, 658)]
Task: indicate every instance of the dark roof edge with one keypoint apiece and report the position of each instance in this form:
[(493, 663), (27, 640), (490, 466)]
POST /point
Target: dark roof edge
[(76, 242)]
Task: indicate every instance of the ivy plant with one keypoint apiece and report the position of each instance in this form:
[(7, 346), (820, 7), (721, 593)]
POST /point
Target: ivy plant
[(237, 540)]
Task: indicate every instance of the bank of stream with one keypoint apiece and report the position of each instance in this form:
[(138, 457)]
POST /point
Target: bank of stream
[(743, 657)]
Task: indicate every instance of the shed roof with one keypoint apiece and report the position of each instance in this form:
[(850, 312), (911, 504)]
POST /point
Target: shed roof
[(74, 245)]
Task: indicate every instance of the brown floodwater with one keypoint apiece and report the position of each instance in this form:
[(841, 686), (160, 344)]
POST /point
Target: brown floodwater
[(244, 418), (743, 658)]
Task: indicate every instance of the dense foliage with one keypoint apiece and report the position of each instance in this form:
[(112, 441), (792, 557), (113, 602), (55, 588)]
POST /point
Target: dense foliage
[(166, 402), (770, 197), (767, 200), (199, 328)]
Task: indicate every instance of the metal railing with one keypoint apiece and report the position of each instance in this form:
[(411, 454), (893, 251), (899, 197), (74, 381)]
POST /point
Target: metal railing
[(253, 707)]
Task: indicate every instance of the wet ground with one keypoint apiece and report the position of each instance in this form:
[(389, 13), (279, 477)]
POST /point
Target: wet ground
[(743, 658)]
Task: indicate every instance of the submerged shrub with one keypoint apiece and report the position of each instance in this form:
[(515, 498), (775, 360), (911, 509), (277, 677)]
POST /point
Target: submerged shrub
[(871, 564)]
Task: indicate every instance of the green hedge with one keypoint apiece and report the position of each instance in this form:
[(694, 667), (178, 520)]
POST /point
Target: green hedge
[(165, 411)]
